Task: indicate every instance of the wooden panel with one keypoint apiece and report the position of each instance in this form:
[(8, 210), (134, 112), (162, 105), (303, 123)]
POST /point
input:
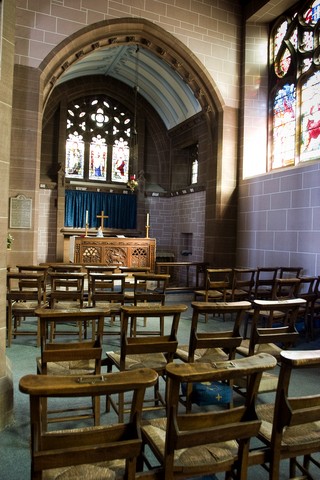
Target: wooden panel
[(127, 252)]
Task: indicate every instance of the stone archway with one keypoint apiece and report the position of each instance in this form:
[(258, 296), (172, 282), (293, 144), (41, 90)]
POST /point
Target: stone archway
[(138, 32), (220, 182)]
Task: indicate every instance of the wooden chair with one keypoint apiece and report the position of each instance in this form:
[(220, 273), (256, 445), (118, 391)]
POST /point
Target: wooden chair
[(272, 339), (149, 289), (96, 269), (129, 285), (37, 269), (25, 293), (212, 346), (316, 306), (291, 426), (145, 351), (243, 281), (283, 289), (67, 292), (108, 291), (71, 358), (106, 451), (308, 291), (218, 282), (206, 442), (264, 283), (290, 272)]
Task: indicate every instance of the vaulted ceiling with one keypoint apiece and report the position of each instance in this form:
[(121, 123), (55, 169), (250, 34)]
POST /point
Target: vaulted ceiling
[(156, 81)]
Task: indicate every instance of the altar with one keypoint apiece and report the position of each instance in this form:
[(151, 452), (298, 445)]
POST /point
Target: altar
[(123, 252)]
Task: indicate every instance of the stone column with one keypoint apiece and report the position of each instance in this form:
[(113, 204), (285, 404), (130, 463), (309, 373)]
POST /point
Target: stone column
[(7, 18)]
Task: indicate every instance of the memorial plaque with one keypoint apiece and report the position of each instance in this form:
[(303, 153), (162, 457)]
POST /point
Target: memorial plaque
[(20, 212)]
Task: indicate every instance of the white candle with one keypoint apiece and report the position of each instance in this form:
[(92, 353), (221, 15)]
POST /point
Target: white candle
[(86, 217), (148, 219)]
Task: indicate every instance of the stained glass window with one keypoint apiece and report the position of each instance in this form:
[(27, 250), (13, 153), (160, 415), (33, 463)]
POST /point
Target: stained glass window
[(294, 86), (74, 156), (310, 118), (98, 140)]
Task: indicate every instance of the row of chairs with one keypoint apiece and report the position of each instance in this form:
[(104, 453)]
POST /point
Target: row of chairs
[(188, 443), (265, 283), (31, 287)]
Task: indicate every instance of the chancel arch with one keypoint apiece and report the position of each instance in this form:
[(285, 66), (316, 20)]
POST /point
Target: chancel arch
[(165, 134)]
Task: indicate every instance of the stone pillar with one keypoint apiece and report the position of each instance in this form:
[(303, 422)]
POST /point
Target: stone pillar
[(7, 18)]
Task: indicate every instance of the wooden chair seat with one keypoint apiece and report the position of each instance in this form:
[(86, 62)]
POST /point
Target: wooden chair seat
[(153, 360), (202, 354), (194, 457), (103, 471), (74, 367), (270, 348), (209, 294), (292, 437)]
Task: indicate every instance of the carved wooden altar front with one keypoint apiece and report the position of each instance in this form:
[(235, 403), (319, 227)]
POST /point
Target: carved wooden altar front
[(127, 252)]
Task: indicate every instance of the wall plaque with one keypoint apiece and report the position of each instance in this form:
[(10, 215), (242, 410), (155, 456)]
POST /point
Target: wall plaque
[(20, 212)]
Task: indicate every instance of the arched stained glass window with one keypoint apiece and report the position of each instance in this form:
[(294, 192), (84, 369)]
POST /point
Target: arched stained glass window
[(98, 140), (295, 85)]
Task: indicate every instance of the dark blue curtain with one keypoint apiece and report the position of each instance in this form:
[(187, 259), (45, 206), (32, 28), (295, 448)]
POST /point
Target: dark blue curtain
[(121, 209)]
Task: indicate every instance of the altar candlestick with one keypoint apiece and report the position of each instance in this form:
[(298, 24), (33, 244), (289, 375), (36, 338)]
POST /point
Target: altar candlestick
[(86, 217), (148, 220)]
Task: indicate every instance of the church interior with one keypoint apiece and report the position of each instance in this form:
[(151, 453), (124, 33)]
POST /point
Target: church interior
[(169, 137)]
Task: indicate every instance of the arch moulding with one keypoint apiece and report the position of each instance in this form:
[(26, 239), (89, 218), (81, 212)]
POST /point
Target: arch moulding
[(126, 31)]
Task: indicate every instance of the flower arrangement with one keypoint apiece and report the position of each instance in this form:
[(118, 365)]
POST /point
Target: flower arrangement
[(9, 241), (133, 183)]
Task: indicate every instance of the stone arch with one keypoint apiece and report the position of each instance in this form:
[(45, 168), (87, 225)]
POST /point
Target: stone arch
[(126, 31), (132, 31)]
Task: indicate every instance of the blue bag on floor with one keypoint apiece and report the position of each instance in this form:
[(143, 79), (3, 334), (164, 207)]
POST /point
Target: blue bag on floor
[(209, 393)]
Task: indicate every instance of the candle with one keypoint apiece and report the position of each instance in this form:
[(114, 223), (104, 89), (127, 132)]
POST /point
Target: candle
[(86, 217), (148, 220)]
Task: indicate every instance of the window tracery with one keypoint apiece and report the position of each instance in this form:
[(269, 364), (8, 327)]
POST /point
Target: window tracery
[(98, 140)]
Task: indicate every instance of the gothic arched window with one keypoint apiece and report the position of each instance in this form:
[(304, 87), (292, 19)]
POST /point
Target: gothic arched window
[(98, 140), (295, 86)]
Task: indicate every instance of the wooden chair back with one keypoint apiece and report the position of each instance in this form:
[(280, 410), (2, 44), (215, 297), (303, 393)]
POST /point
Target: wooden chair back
[(285, 288), (228, 340), (154, 351), (35, 269), (129, 285), (212, 345), (243, 281), (219, 279), (264, 283), (290, 272), (70, 357), (25, 293), (67, 287), (285, 335), (149, 344), (181, 442), (79, 451), (291, 426), (308, 291), (96, 269), (150, 287), (107, 287)]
